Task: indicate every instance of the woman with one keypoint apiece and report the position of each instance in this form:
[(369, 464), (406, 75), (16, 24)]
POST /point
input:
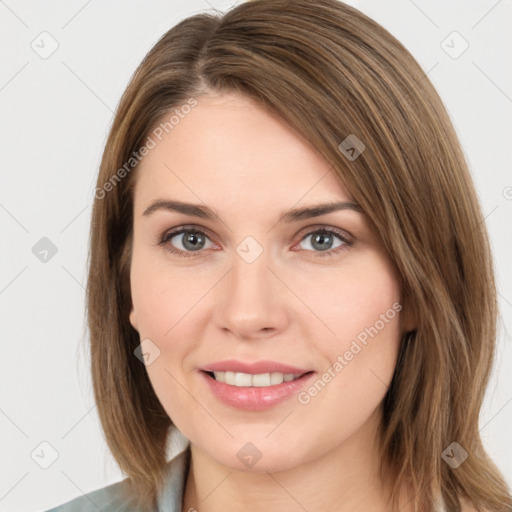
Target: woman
[(289, 268)]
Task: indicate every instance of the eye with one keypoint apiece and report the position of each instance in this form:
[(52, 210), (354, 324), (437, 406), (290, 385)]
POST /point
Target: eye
[(322, 240), (188, 241)]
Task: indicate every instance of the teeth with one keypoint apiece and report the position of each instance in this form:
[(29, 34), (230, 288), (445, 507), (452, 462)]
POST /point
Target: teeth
[(248, 380), (243, 379)]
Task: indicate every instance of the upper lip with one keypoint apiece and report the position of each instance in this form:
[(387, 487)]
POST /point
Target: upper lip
[(253, 368)]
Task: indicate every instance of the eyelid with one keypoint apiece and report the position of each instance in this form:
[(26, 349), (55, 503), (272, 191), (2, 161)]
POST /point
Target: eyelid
[(342, 233), (169, 233)]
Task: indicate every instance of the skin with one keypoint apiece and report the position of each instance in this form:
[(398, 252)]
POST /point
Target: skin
[(292, 304)]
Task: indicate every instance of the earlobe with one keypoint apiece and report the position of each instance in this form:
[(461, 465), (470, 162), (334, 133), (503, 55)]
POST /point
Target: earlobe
[(409, 320), (133, 319)]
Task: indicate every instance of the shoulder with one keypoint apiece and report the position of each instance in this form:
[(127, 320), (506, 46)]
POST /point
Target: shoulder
[(112, 498), (120, 497)]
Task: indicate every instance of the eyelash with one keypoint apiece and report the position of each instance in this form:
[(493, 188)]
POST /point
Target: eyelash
[(166, 237)]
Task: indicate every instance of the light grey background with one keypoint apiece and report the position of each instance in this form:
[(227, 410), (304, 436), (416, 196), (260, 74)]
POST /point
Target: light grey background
[(55, 114)]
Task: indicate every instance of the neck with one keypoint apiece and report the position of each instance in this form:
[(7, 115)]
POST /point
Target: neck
[(343, 479)]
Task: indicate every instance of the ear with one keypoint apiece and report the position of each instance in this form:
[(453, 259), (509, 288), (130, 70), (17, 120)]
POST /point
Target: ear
[(409, 316), (409, 322), (133, 319)]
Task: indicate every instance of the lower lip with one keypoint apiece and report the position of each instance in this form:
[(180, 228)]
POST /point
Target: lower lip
[(255, 398)]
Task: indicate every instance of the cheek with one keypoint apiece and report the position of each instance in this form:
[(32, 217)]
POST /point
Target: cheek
[(151, 305), (163, 303), (162, 297), (362, 307), (351, 301)]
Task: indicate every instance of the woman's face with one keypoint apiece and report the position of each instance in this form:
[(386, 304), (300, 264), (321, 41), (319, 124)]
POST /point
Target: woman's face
[(252, 286)]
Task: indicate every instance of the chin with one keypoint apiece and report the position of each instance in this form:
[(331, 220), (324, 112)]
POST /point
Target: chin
[(257, 455)]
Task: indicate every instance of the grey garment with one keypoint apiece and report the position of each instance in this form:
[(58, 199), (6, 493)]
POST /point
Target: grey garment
[(114, 498)]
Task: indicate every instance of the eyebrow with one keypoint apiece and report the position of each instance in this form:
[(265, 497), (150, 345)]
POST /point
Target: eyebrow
[(293, 215)]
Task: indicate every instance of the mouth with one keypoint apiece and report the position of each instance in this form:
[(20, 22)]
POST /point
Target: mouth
[(255, 391), (254, 385), (259, 380)]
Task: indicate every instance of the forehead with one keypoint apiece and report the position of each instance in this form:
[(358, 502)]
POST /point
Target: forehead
[(228, 150)]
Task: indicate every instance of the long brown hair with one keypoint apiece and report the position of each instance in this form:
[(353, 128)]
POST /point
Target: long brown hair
[(330, 72)]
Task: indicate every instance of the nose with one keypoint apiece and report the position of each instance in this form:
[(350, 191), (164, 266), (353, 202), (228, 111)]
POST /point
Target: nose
[(251, 301)]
